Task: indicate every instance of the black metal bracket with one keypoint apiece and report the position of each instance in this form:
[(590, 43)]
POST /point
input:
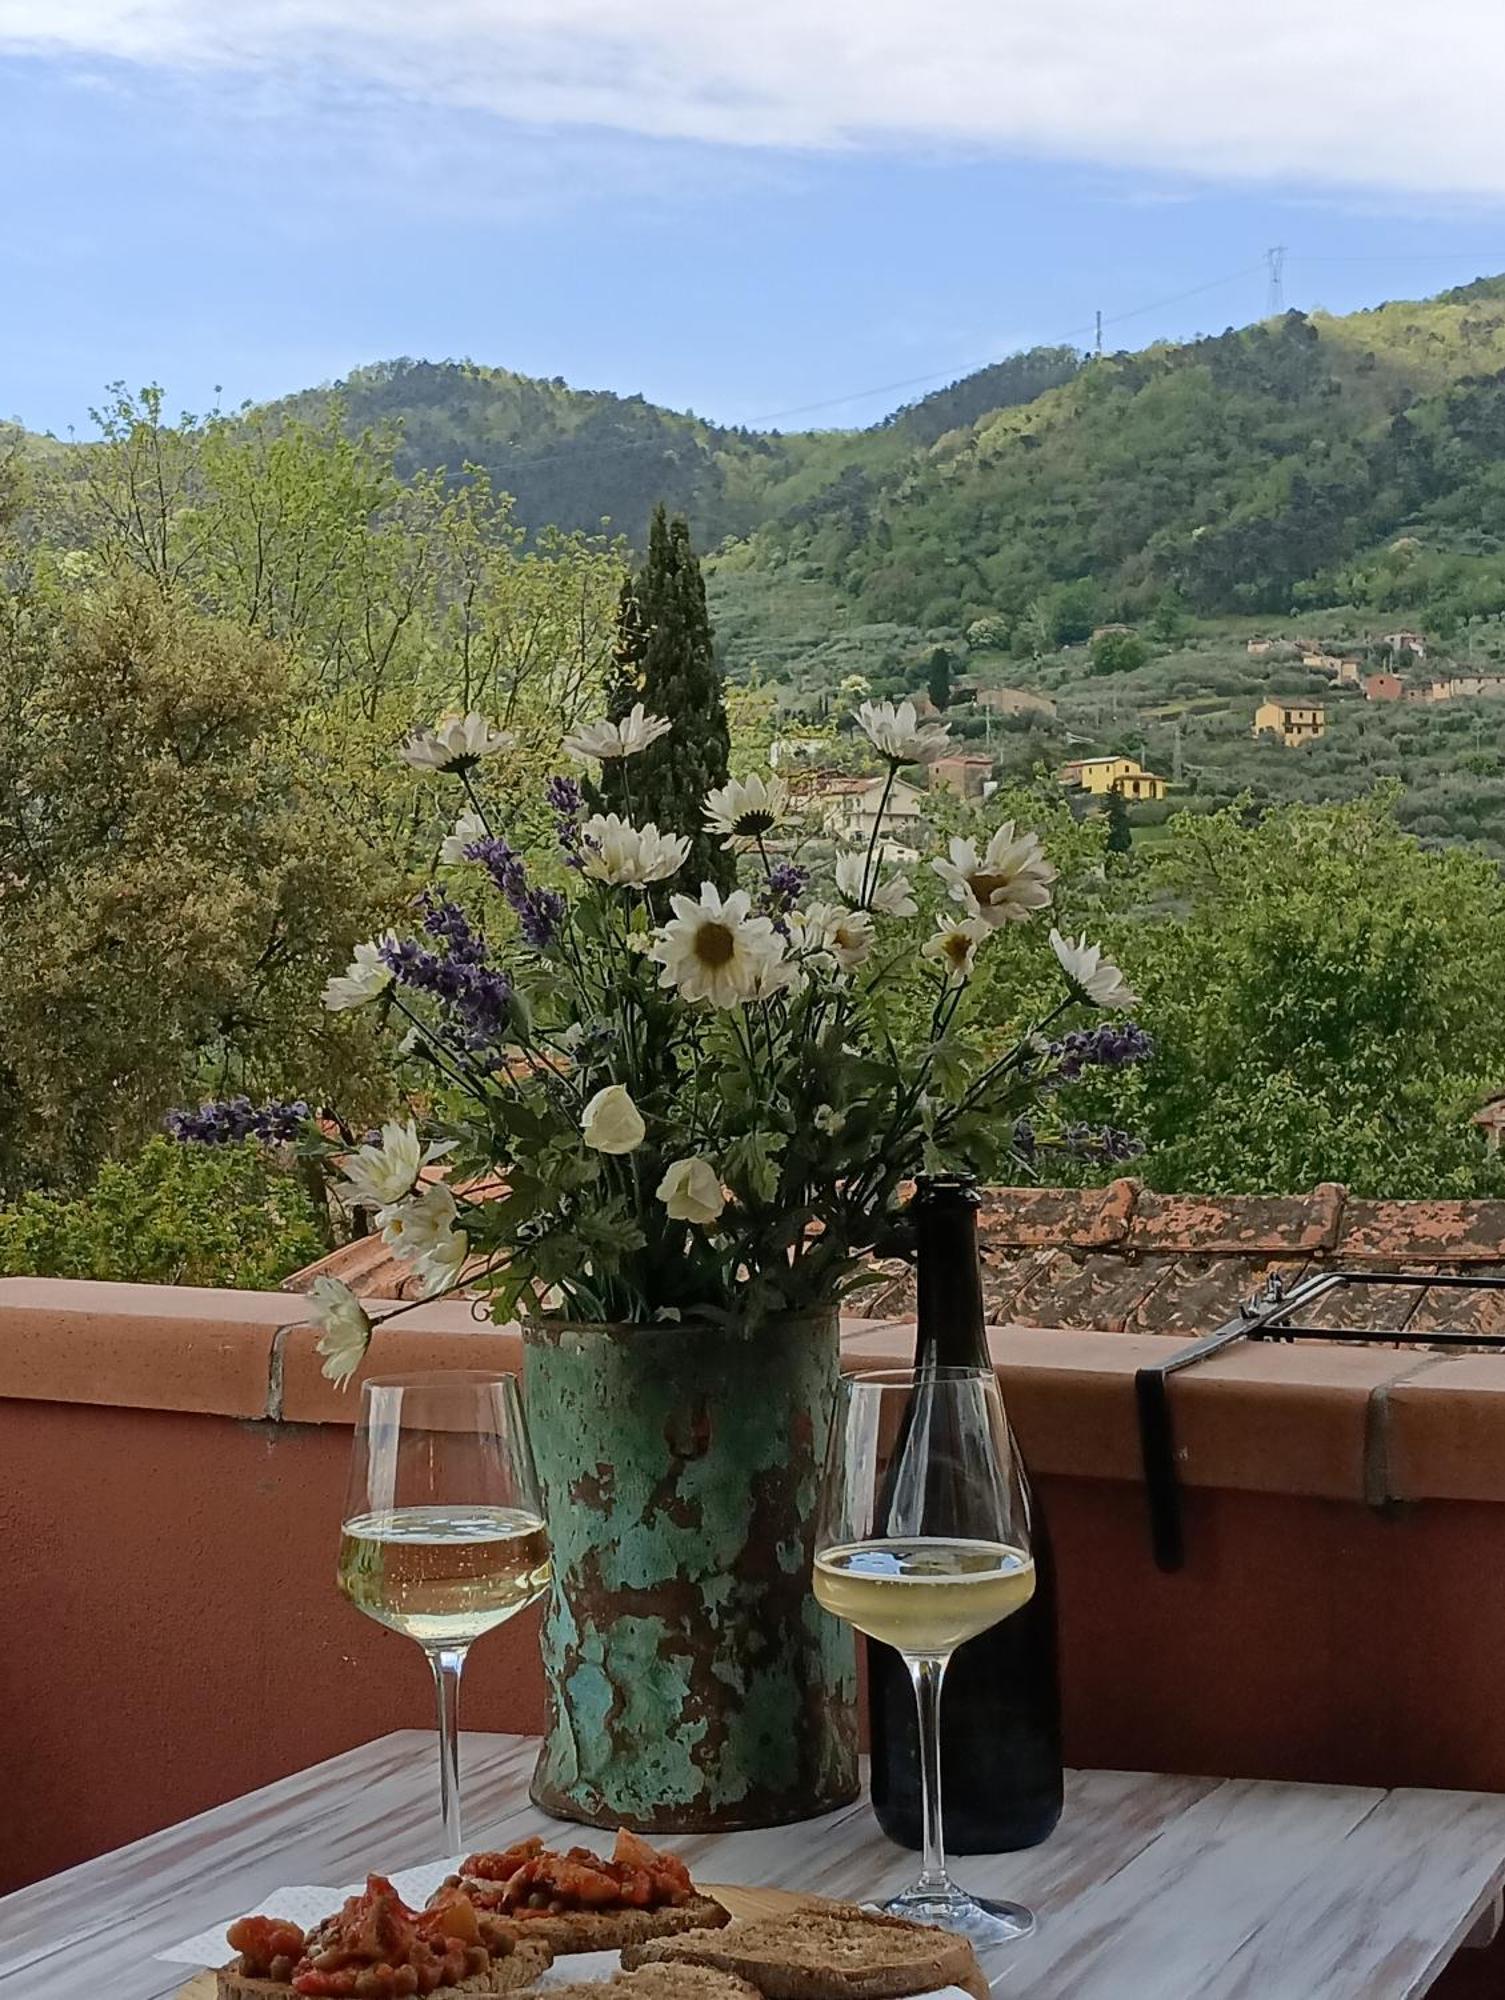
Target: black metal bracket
[(1267, 1316)]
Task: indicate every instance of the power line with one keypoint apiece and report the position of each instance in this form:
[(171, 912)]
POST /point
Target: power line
[(1272, 264)]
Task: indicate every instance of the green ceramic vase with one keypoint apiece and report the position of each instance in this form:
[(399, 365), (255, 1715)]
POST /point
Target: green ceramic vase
[(693, 1682)]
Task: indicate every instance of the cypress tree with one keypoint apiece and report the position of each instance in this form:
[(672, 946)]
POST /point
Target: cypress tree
[(1120, 834), (664, 637)]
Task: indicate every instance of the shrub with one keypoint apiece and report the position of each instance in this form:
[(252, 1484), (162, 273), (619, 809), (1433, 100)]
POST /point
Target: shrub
[(175, 1214)]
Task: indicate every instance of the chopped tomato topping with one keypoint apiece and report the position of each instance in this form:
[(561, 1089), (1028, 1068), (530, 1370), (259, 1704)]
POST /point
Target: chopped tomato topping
[(531, 1880), (376, 1946), (262, 1942)]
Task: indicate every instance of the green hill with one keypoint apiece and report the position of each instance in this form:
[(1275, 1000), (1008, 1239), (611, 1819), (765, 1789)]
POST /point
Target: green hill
[(1244, 472), (1261, 470), (574, 458)]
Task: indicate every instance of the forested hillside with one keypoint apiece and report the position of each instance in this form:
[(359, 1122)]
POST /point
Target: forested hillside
[(573, 458), (1244, 472), (1255, 471)]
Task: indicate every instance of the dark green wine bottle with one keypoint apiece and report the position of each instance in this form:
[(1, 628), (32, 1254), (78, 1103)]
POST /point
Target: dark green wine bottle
[(1001, 1704)]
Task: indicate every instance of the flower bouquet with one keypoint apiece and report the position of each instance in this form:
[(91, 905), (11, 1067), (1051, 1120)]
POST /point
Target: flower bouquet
[(687, 1105), (667, 1125)]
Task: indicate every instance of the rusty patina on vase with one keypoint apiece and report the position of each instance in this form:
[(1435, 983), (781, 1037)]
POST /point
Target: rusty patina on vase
[(693, 1682)]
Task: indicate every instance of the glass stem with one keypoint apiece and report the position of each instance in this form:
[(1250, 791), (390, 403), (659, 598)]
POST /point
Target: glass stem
[(927, 1676), (448, 1662)]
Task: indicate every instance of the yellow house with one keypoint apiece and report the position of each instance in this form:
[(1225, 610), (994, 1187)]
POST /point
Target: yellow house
[(1098, 774), (1124, 775), (1294, 723), (1140, 785)]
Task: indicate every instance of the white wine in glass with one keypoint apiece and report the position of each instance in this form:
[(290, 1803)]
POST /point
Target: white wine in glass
[(443, 1537), (922, 1541)]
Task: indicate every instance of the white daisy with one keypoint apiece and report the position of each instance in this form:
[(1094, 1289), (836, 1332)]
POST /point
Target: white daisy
[(899, 735), (417, 1225), (892, 898), (691, 1191), (746, 808), (363, 979), (468, 829), (848, 935), (1091, 977), (455, 743), (345, 1328), (1004, 885), (605, 740), (628, 856), (716, 950), (377, 1176), (955, 944)]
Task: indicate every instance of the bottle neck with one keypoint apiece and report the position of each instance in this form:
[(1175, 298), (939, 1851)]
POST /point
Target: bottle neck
[(948, 1277)]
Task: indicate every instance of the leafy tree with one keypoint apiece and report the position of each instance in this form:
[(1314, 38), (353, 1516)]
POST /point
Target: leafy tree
[(680, 680), (1118, 653), (171, 899), (1324, 1007)]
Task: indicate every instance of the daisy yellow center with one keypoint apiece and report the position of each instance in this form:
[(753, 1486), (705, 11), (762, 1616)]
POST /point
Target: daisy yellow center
[(957, 948), (986, 887), (715, 944)]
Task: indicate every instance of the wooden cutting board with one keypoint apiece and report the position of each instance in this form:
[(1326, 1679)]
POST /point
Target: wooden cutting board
[(743, 1903)]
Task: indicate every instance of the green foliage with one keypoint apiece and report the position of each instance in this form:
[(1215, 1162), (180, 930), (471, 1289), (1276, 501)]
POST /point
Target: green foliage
[(1118, 653), (1324, 1007), (175, 1215), (174, 897)]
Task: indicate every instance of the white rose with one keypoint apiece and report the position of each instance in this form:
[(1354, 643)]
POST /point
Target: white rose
[(691, 1191), (612, 1123)]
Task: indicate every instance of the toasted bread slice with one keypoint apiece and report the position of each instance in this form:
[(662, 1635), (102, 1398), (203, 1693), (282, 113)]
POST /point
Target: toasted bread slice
[(839, 1952), (614, 1930), (661, 1982), (522, 1965)]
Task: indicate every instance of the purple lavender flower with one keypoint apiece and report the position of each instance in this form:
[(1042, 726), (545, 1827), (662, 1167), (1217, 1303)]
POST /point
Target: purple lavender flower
[(567, 802), (477, 996), (563, 796), (1108, 1045), (1026, 1145), (1106, 1142), (502, 863), (787, 882), (232, 1120), (539, 914)]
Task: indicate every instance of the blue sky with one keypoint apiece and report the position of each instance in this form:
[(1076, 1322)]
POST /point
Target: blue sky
[(268, 214)]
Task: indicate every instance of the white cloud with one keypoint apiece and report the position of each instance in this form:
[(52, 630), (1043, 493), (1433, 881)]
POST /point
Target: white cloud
[(1367, 94)]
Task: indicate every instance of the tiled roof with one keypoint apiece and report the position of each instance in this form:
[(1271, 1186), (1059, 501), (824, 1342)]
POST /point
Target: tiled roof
[(1122, 1259)]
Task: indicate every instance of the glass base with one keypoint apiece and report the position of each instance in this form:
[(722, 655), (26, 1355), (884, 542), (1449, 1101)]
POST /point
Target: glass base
[(978, 1918)]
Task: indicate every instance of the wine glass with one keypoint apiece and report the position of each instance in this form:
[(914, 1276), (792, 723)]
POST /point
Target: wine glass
[(922, 1541), (443, 1537)]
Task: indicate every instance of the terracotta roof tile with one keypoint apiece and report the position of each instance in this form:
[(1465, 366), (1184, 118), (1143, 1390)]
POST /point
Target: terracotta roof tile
[(1423, 1232), (1247, 1225), (1108, 1293), (1084, 1218)]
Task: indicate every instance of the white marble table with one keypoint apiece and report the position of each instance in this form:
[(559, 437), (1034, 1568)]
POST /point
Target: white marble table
[(1153, 1888)]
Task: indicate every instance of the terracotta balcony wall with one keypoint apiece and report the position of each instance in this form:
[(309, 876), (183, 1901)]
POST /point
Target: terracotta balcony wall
[(172, 1467)]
